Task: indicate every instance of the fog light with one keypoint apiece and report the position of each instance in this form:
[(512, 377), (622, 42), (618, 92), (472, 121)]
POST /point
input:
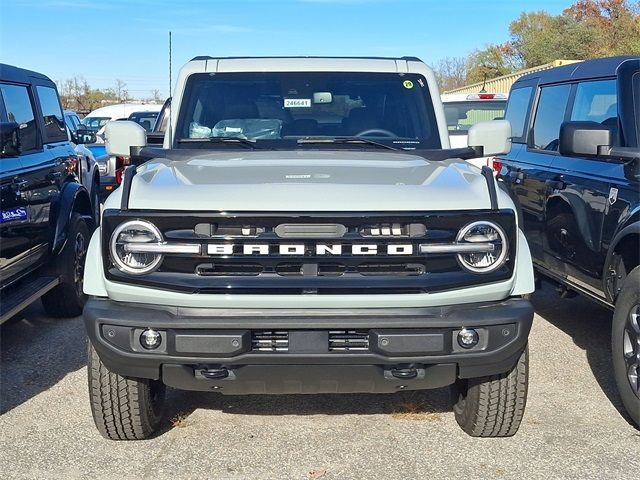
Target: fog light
[(150, 339), (468, 338)]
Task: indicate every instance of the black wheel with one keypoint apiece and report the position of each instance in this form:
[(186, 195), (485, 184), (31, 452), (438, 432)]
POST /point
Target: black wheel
[(493, 406), (123, 408), (68, 298), (625, 344)]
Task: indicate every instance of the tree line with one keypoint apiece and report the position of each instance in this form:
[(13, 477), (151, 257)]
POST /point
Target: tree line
[(76, 94), (587, 29)]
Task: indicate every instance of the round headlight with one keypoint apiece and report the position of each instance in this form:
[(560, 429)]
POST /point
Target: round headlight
[(135, 232), (492, 247)]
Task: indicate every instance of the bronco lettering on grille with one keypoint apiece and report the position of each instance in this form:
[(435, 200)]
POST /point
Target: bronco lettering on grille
[(299, 249)]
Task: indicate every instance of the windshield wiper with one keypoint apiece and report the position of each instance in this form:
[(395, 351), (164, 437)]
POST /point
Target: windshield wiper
[(346, 140), (225, 140)]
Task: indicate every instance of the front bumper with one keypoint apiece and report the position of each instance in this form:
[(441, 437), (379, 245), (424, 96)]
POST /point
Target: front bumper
[(215, 349)]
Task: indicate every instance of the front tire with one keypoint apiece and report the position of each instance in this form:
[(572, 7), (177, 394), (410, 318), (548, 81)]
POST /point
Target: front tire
[(493, 406), (625, 344), (123, 408), (68, 298)]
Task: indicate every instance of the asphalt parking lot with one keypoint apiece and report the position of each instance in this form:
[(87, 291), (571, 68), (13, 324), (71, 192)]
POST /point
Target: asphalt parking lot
[(573, 428)]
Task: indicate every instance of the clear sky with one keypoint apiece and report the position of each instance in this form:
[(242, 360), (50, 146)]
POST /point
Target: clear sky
[(128, 39)]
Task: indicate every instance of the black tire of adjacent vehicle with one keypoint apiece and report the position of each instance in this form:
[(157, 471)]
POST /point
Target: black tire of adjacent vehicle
[(68, 299), (628, 298), (493, 406), (123, 408)]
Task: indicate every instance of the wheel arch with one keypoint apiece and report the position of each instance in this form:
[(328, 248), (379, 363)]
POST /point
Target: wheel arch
[(622, 257), (74, 198)]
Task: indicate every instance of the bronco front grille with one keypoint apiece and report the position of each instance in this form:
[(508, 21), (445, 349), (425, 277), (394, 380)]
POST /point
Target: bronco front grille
[(302, 254)]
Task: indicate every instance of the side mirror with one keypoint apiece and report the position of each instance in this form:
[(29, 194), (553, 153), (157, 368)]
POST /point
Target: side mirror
[(84, 135), (584, 139), (9, 139), (490, 138), (119, 137)]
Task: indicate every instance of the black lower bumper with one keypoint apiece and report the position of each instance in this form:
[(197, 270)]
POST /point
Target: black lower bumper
[(308, 350)]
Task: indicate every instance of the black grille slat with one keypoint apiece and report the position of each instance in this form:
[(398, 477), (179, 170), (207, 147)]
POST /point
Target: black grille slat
[(270, 341), (348, 341)]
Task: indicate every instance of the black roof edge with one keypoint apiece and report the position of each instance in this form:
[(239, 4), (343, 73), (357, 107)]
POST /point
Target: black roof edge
[(207, 57), (594, 68), (12, 73)]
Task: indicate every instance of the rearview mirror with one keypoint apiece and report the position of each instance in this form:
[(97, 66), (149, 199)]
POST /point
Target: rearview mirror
[(9, 139), (490, 138), (322, 97), (120, 136), (84, 136), (584, 139)]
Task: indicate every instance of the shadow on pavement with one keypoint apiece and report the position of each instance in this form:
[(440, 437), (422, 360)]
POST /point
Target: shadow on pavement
[(589, 325), (415, 405), (37, 352)]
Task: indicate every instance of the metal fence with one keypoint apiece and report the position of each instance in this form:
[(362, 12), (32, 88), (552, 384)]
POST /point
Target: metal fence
[(503, 84)]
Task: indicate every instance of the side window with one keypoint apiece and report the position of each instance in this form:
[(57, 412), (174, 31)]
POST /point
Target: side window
[(20, 110), (549, 116), (516, 112), (52, 114), (596, 102)]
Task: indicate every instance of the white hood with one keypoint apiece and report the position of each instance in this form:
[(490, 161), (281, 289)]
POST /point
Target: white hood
[(307, 181)]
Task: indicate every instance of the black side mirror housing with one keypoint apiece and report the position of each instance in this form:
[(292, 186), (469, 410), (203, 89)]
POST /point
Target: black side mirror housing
[(588, 139), (9, 139), (84, 136)]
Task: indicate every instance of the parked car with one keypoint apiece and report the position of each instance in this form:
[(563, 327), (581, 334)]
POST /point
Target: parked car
[(145, 119), (574, 173), (463, 110), (97, 119), (88, 164), (157, 134), (307, 230), (46, 214)]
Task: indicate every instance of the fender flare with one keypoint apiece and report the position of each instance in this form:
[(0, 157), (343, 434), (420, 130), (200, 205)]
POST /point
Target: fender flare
[(573, 203), (632, 228), (72, 198)]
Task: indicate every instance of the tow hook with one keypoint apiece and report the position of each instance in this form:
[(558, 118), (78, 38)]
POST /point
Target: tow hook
[(214, 373), (404, 373)]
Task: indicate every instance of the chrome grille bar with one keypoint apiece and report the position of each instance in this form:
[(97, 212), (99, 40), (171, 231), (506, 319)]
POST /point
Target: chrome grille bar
[(457, 248)]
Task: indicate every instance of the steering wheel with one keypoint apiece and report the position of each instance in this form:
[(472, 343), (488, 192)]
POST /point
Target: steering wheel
[(372, 131)]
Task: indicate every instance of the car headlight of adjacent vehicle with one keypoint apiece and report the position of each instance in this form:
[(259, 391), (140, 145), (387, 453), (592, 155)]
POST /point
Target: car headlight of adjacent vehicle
[(491, 243), (127, 247)]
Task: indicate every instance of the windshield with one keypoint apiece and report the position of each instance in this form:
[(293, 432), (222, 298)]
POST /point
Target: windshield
[(277, 108), (461, 116), (146, 119), (95, 123)]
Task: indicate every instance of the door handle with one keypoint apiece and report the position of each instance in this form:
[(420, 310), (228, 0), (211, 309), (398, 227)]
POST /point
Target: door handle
[(556, 184)]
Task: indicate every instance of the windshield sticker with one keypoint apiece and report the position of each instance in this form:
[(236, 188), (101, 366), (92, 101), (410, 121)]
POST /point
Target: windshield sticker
[(297, 103), (407, 84), (14, 214)]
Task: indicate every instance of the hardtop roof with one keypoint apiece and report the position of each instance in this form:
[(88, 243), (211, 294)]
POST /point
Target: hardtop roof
[(207, 57), (596, 68), (15, 74)]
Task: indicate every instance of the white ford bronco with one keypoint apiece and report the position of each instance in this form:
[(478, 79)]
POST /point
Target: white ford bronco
[(305, 228)]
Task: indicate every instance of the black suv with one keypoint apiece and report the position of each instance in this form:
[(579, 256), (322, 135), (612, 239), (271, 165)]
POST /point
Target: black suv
[(573, 172), (46, 215)]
